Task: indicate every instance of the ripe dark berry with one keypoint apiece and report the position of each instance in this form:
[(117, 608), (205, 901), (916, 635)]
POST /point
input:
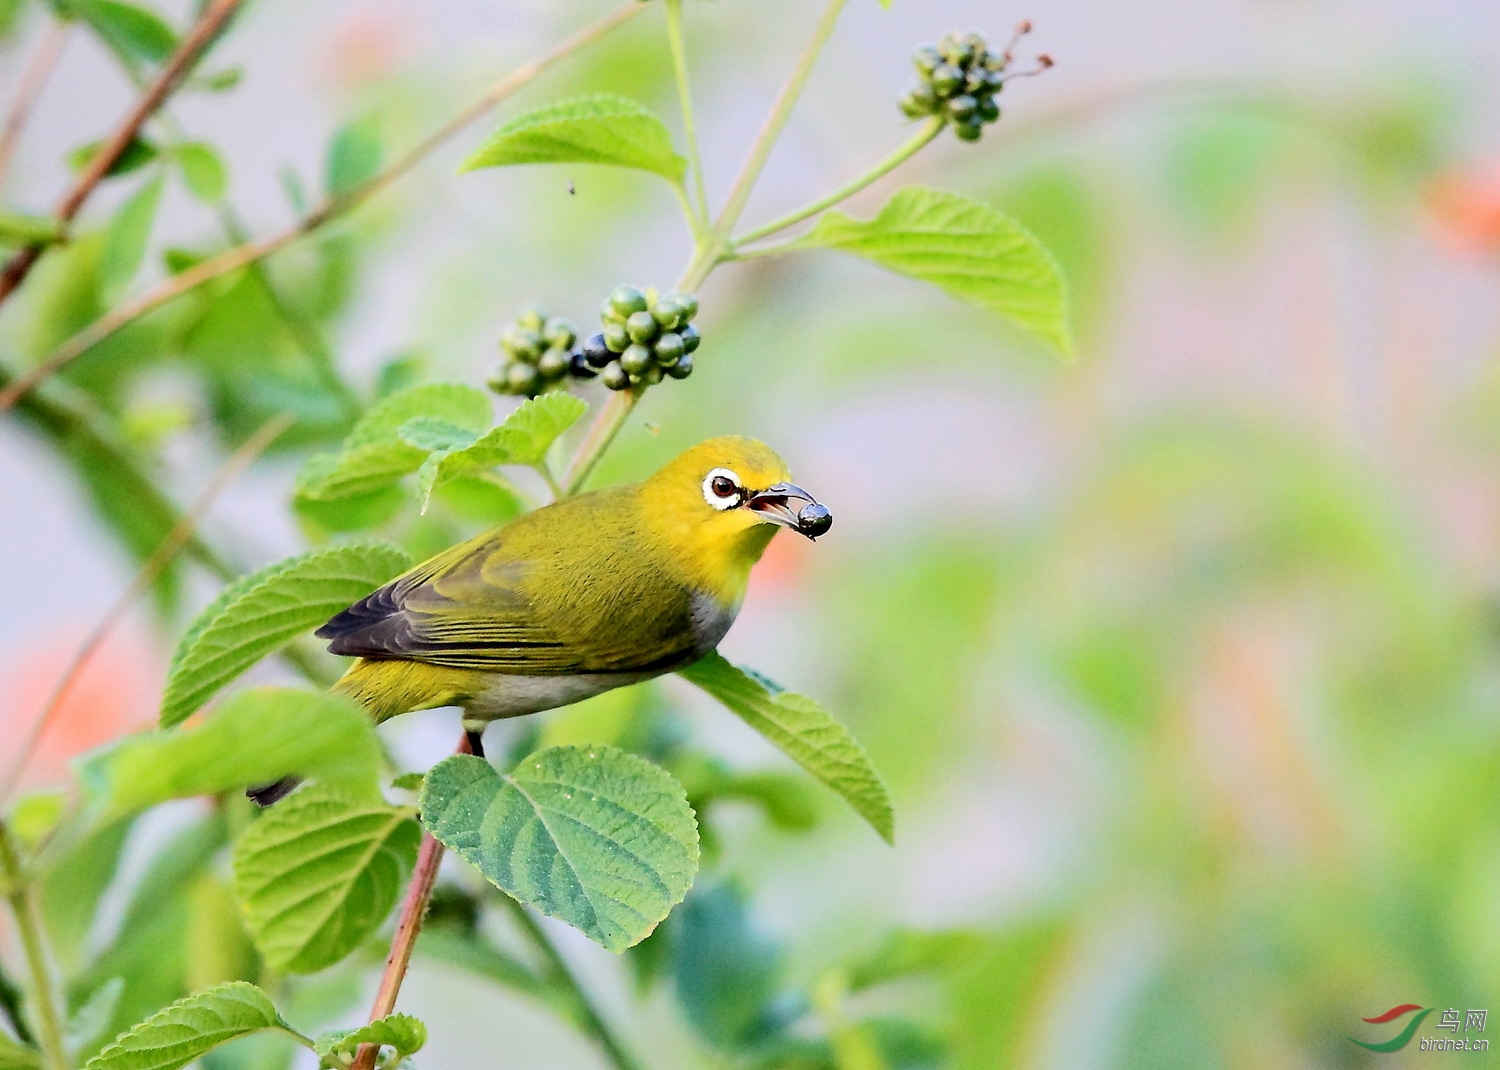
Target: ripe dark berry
[(946, 79), (641, 327), (580, 368), (636, 360), (596, 352), (615, 337), (614, 376), (522, 378), (682, 369), (554, 364), (627, 300), (560, 333), (669, 349), (690, 338)]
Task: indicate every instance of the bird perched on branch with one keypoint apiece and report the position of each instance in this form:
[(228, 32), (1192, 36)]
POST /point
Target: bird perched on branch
[(590, 593)]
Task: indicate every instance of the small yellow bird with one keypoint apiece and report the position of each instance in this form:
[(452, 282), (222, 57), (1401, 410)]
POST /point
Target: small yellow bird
[(590, 593)]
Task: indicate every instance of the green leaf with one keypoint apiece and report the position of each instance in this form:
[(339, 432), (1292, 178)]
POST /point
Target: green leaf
[(137, 154), (176, 1035), (466, 406), (255, 737), (132, 32), (805, 733), (261, 612), (203, 171), (86, 1026), (400, 1032), (317, 875), (523, 439), (125, 240), (363, 470), (353, 156), (596, 837), (967, 248), (17, 1056), (19, 228), (601, 129)]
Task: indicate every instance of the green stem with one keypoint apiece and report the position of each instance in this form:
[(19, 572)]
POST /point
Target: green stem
[(930, 129), (588, 1014), (685, 101), (45, 1009), (781, 111)]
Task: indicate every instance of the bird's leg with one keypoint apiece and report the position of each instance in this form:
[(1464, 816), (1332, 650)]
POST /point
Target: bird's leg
[(474, 736)]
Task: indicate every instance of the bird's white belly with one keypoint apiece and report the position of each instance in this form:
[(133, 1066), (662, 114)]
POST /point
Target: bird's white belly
[(513, 696)]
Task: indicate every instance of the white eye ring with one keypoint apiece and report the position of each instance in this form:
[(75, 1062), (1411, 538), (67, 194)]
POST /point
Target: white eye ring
[(718, 501)]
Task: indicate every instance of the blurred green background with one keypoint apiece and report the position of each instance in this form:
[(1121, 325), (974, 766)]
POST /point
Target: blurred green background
[(1180, 658)]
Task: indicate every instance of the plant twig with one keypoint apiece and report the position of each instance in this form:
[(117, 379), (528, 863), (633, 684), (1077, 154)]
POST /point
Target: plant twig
[(45, 1003), (781, 111), (173, 71), (149, 571), (333, 208), (408, 925), (39, 67), (559, 971), (930, 129), (699, 218)]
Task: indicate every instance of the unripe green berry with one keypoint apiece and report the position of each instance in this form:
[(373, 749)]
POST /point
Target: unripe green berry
[(969, 129), (975, 42), (988, 111), (532, 317), (682, 369), (560, 333), (688, 301), (962, 106), (522, 344), (923, 97), (669, 349), (627, 300), (596, 352), (616, 338), (669, 314), (607, 313), (957, 52), (994, 81), (641, 326), (977, 81), (946, 80), (927, 59), (554, 364), (651, 376), (614, 376), (912, 108), (497, 379), (523, 378), (636, 360), (690, 338)]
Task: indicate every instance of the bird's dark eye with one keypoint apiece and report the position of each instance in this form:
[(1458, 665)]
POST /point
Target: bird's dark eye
[(724, 487), (721, 489)]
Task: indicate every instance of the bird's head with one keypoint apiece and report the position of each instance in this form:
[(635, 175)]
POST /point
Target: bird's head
[(722, 500)]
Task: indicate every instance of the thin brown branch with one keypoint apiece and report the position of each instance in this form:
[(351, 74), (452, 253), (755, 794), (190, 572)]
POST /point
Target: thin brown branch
[(408, 925), (150, 570), (177, 67), (233, 259), (39, 67)]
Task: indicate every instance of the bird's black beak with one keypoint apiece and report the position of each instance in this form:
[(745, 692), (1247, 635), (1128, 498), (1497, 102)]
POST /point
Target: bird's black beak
[(792, 507)]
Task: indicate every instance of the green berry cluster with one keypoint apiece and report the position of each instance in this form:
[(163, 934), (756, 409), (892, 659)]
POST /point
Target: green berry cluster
[(644, 338), (957, 81), (539, 354)]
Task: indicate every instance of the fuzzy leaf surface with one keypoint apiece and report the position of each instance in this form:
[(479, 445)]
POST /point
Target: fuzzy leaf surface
[(258, 614), (805, 732), (596, 837)]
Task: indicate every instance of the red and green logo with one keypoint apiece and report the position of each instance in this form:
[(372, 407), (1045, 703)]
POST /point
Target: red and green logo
[(1403, 1038)]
